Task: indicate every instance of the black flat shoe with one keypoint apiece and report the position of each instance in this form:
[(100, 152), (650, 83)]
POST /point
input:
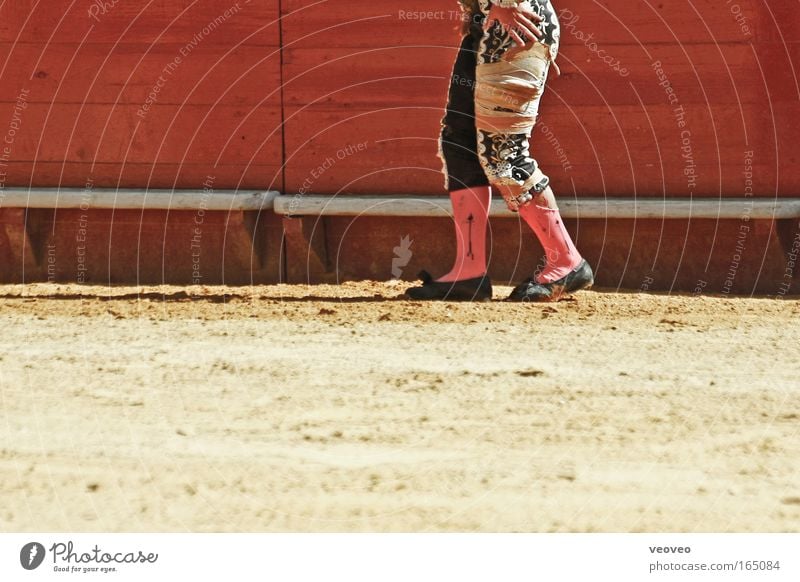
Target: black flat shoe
[(477, 289), (581, 277)]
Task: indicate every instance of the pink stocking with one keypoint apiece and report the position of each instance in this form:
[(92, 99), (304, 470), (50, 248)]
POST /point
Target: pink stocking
[(546, 222), (470, 216)]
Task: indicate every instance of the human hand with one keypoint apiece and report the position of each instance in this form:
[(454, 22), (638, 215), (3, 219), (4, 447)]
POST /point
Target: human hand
[(520, 22)]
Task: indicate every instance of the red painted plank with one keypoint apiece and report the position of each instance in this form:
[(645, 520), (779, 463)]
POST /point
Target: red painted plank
[(165, 134), (128, 73), (365, 23), (401, 144), (390, 77), (224, 22), (189, 175), (779, 21)]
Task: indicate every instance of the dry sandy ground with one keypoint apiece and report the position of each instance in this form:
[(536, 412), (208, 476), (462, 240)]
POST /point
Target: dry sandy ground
[(348, 409)]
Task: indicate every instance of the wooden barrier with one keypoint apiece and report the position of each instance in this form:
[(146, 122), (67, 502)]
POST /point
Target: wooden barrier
[(670, 108)]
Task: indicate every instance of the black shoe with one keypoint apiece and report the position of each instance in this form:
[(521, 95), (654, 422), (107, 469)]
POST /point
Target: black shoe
[(477, 289), (581, 277)]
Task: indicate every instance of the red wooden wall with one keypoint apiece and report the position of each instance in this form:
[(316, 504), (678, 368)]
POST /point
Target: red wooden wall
[(328, 97), (86, 71), (89, 72), (366, 70), (377, 73)]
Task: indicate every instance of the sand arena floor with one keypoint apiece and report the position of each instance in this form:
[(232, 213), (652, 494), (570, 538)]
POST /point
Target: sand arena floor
[(346, 408)]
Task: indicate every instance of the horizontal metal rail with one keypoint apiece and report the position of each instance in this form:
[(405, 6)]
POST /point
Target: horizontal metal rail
[(677, 208), (411, 206), (132, 199)]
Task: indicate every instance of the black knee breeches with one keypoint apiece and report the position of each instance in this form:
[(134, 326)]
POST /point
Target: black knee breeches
[(494, 97)]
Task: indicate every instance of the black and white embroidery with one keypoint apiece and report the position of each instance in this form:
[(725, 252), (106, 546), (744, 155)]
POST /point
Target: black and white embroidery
[(506, 155), (503, 156), (498, 41)]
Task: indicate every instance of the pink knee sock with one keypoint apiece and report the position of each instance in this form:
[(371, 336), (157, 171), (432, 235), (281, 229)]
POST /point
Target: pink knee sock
[(562, 256), (470, 216)]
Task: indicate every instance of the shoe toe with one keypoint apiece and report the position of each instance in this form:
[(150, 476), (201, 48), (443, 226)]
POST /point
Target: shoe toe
[(537, 292), (426, 292), (520, 291), (415, 292), (477, 289), (581, 277)]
